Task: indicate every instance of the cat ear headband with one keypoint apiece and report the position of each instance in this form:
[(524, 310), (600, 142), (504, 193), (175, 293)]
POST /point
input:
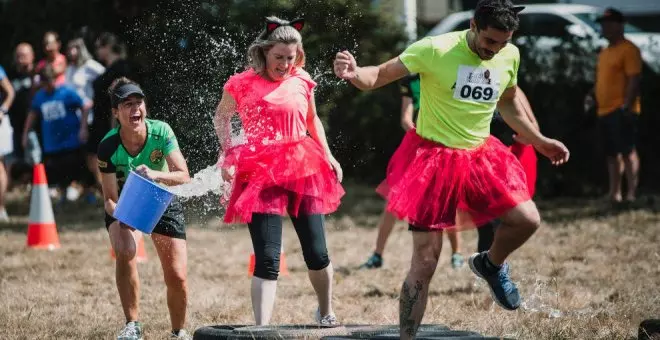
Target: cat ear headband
[(297, 24)]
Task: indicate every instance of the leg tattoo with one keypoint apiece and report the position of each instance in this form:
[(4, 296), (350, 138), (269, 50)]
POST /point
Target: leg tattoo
[(406, 303)]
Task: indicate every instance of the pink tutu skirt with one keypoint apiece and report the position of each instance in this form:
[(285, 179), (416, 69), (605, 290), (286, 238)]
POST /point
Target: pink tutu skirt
[(435, 187), (284, 178), (527, 157)]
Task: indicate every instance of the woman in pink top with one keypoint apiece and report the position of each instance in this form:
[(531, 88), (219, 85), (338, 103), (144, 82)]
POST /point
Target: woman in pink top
[(279, 169)]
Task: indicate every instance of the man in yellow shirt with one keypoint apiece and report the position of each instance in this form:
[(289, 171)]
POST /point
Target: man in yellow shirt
[(617, 96), (450, 172)]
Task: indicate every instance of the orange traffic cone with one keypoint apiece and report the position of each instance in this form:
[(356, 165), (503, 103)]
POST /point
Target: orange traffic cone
[(283, 267), (42, 232), (141, 251)]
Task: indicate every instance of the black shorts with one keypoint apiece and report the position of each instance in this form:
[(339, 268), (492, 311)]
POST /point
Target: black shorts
[(64, 167), (421, 230), (172, 223), (618, 131)]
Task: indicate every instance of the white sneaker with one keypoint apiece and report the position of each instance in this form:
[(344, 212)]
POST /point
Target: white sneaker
[(3, 215), (180, 335), (132, 331), (329, 320)]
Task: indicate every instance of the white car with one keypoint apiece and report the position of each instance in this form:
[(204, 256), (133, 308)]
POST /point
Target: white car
[(554, 22)]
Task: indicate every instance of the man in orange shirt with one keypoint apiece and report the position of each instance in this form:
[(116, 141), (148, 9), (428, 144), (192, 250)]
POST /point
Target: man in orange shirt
[(617, 96)]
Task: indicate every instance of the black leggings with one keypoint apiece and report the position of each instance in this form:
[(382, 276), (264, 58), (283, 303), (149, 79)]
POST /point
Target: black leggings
[(266, 233), (486, 235)]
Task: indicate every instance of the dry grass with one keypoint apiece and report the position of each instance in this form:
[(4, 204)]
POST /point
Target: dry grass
[(600, 272)]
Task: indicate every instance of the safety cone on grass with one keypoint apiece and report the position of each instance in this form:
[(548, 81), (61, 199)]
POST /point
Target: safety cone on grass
[(42, 231), (141, 251), (283, 267)]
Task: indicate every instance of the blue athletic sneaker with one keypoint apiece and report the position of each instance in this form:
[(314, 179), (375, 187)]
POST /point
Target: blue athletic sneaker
[(374, 261), (90, 198), (502, 289), (456, 261)]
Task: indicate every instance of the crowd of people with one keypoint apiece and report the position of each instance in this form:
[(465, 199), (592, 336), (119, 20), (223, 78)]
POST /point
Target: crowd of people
[(62, 99), (450, 173)]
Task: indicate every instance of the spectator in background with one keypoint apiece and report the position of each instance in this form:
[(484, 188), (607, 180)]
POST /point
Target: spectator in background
[(617, 98), (22, 78), (82, 70), (112, 53), (6, 139), (80, 74), (63, 132), (53, 57)]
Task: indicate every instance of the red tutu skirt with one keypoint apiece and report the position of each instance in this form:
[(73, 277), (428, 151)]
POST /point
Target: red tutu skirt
[(527, 157), (289, 177), (434, 187)]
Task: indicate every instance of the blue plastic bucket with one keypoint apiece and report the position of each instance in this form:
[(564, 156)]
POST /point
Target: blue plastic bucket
[(142, 203)]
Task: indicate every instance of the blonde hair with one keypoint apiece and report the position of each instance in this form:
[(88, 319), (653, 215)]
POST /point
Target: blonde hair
[(285, 34), (83, 53)]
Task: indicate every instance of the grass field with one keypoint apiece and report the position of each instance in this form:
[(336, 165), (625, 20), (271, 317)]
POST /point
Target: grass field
[(587, 274)]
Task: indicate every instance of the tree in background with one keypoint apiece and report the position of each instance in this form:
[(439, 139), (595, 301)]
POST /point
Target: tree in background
[(187, 50)]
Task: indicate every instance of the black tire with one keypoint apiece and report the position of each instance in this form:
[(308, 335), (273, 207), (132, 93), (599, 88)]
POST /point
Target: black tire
[(421, 335), (649, 330), (368, 331), (267, 332), (393, 336), (215, 332), (291, 331)]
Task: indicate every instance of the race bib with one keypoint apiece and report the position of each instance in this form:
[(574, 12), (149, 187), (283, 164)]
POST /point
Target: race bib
[(477, 84)]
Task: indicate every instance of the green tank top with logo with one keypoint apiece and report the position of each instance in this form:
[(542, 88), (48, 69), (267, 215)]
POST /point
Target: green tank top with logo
[(114, 158)]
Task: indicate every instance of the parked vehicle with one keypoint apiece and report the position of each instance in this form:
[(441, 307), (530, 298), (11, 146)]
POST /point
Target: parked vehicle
[(552, 24)]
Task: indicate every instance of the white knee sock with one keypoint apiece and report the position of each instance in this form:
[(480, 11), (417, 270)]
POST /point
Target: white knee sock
[(263, 299)]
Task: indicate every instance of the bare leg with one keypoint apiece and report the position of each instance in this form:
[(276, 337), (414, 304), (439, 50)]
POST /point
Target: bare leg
[(615, 170), (414, 293), (631, 165), (518, 225), (124, 243), (322, 282), (385, 226), (174, 261), (454, 240), (4, 181)]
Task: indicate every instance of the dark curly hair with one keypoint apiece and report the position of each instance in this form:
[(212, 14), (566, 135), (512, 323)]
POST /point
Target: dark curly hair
[(498, 14)]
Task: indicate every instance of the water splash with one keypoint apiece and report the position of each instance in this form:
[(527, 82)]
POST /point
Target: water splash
[(191, 54), (208, 180), (544, 300), (540, 301)]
